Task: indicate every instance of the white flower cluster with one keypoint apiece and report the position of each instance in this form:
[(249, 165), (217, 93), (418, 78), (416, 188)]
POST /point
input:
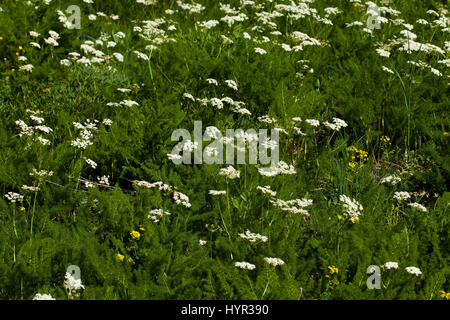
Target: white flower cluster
[(401, 195), (413, 270), (336, 125), (392, 179), (274, 261), (86, 134), (313, 122), (41, 173), (280, 168), (178, 197), (245, 265), (52, 39), (91, 163), (352, 207), (267, 190), (129, 103), (260, 51), (14, 197), (156, 214), (63, 19), (208, 24), (267, 119), (418, 206), (104, 180), (30, 188), (141, 55), (181, 198), (390, 265), (383, 53), (26, 67), (294, 206), (252, 237), (229, 172), (192, 7), (30, 130), (146, 2), (71, 284), (217, 192), (39, 296), (232, 84), (161, 186)]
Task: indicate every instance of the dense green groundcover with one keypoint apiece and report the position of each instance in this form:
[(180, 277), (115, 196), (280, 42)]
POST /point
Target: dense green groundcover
[(311, 64)]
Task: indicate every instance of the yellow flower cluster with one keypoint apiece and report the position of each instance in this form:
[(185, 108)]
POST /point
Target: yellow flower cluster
[(445, 295), (333, 280), (135, 235), (121, 257), (333, 269), (386, 139), (359, 154)]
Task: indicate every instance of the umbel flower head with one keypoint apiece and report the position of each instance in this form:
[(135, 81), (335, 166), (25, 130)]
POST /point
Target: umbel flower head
[(390, 265), (245, 265), (274, 261), (413, 270), (39, 296), (72, 285), (352, 207), (230, 172)]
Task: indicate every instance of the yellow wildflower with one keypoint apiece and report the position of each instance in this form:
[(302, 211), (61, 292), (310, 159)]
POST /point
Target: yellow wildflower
[(135, 235), (333, 269), (120, 257), (351, 165), (22, 208)]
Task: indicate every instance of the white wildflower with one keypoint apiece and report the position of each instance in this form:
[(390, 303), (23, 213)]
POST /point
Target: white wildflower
[(401, 195), (253, 237), (267, 190), (245, 265), (413, 270), (418, 206), (352, 207), (390, 265), (14, 197), (39, 296), (260, 51), (274, 261), (229, 172)]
